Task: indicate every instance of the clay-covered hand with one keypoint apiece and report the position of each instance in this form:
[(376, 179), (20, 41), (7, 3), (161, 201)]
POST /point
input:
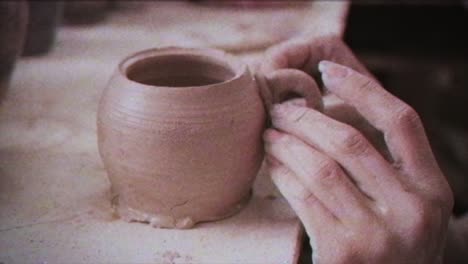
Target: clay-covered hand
[(356, 205)]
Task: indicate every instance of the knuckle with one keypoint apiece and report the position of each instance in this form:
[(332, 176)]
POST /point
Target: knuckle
[(304, 196), (365, 83), (384, 240), (406, 116), (417, 205), (351, 142), (442, 195), (444, 199), (309, 199), (420, 217), (328, 45), (381, 240), (300, 114), (327, 173), (447, 199), (278, 171)]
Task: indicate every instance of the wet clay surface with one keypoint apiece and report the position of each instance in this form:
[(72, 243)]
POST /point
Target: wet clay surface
[(54, 193), (176, 156)]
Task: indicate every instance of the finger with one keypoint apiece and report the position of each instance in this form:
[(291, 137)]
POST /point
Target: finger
[(305, 54), (369, 170), (314, 216), (287, 83), (321, 175), (340, 111), (292, 54), (297, 101), (400, 124)]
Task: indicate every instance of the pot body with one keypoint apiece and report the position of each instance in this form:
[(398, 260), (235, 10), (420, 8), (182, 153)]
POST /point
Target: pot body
[(13, 19), (44, 17), (176, 156)]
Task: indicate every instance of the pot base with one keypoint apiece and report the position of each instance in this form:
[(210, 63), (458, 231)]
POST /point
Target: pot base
[(129, 214)]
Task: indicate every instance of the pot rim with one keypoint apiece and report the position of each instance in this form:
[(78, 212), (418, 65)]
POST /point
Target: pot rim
[(233, 63)]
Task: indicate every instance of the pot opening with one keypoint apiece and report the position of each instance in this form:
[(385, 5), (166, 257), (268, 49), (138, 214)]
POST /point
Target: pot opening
[(180, 70)]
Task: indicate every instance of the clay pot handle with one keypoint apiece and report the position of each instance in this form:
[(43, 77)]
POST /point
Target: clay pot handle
[(284, 84)]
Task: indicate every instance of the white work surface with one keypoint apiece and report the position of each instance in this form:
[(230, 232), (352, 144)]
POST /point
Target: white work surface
[(54, 193)]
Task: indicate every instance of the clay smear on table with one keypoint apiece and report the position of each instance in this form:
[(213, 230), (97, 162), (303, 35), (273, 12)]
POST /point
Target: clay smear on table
[(179, 132)]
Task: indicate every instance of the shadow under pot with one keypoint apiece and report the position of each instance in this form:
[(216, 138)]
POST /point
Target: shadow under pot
[(44, 17), (13, 19), (180, 135)]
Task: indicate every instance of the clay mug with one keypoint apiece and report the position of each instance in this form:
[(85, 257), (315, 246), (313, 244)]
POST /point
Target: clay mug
[(13, 19), (180, 134)]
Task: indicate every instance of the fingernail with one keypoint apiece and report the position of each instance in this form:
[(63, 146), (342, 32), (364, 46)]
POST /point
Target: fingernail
[(271, 135), (277, 110), (301, 102), (332, 70), (323, 65), (281, 110)]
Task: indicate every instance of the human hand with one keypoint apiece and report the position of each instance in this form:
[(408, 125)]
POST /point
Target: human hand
[(357, 206), (304, 54)]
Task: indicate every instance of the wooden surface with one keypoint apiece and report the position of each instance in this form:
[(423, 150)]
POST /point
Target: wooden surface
[(54, 193)]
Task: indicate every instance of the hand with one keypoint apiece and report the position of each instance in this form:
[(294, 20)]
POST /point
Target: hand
[(305, 54), (357, 206)]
